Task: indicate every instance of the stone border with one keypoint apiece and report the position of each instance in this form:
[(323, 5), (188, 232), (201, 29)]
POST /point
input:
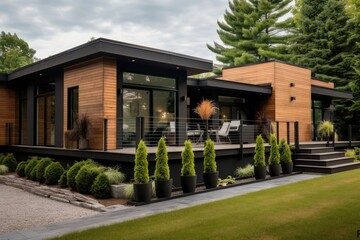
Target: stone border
[(58, 194)]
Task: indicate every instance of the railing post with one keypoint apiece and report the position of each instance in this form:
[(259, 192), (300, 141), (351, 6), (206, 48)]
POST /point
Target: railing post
[(277, 131), (288, 132), (105, 133), (296, 135), (139, 130), (241, 139), (350, 134)]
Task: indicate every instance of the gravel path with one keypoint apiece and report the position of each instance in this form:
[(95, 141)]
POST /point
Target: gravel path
[(20, 210)]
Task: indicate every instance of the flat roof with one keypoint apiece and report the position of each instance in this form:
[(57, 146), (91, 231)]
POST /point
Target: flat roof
[(107, 47), (229, 85), (330, 92)]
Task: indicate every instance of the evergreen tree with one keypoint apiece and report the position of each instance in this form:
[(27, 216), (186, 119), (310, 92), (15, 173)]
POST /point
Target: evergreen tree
[(252, 32), (162, 170)]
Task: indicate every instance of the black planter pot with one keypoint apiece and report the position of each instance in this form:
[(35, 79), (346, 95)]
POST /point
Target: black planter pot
[(287, 168), (188, 184), (211, 179), (275, 170), (142, 192), (163, 188), (260, 172)]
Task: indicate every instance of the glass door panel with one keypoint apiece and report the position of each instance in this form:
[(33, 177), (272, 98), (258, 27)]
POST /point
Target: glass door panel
[(45, 123)]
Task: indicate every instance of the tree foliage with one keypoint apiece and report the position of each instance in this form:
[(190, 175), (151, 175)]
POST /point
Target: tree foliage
[(188, 158), (252, 32), (209, 157), (162, 170), (14, 52), (274, 157), (141, 172), (259, 157)]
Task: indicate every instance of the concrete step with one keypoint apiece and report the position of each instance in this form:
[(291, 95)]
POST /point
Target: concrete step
[(324, 162), (328, 169), (320, 156), (316, 150)]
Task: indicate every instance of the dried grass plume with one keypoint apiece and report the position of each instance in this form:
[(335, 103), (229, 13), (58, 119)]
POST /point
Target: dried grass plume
[(205, 109)]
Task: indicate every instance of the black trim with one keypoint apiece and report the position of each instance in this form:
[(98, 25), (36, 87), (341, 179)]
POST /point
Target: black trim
[(229, 85), (59, 110), (103, 47), (330, 92), (3, 77), (70, 106)]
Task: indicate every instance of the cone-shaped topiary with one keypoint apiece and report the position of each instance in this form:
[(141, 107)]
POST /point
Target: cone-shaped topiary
[(209, 157), (30, 166), (63, 179), (52, 173), (85, 178), (71, 174), (101, 187), (20, 169), (40, 169), (162, 170), (188, 158), (285, 152), (10, 162), (141, 172), (274, 151), (259, 158)]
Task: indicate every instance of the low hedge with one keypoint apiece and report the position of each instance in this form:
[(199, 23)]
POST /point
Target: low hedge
[(30, 166), (10, 161), (2, 156), (71, 174), (20, 169), (63, 179), (52, 173), (3, 169), (40, 169), (86, 177), (101, 187)]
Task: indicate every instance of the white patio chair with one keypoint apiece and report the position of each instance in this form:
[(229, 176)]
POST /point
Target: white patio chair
[(234, 125), (223, 132)]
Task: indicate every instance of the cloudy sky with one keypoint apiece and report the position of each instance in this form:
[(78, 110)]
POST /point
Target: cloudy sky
[(52, 26)]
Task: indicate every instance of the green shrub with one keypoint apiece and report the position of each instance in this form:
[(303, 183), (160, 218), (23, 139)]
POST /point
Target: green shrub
[(187, 156), (2, 156), (63, 179), (10, 161), (85, 178), (40, 169), (101, 187), (129, 191), (20, 169), (259, 157), (350, 153), (285, 152), (325, 129), (274, 151), (3, 169), (209, 157), (247, 171), (30, 166), (141, 172), (53, 172), (71, 174), (162, 170), (114, 176)]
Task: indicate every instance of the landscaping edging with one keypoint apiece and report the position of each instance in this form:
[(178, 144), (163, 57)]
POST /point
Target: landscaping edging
[(58, 194), (154, 200)]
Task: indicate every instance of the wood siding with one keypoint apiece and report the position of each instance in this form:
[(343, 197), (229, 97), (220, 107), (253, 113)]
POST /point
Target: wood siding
[(322, 83), (8, 114), (96, 80)]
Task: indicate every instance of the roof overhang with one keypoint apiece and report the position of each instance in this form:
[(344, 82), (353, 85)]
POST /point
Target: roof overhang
[(3, 77), (106, 47), (230, 85), (330, 92)]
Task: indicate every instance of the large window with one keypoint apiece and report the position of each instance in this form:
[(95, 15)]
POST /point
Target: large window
[(23, 117), (73, 107), (149, 80)]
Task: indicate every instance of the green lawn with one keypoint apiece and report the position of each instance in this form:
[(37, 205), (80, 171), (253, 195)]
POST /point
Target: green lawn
[(324, 208)]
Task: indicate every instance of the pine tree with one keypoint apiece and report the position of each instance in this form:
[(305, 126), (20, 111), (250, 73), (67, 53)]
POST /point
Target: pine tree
[(188, 158), (274, 157), (252, 32), (209, 157), (141, 172), (259, 157), (162, 170)]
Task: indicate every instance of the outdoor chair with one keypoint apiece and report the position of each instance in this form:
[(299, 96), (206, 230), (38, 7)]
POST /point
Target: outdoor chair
[(223, 132)]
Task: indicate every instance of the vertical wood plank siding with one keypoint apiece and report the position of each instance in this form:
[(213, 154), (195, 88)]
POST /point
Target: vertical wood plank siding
[(96, 80), (8, 114)]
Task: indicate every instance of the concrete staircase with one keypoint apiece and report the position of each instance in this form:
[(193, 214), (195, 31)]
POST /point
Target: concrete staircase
[(323, 160)]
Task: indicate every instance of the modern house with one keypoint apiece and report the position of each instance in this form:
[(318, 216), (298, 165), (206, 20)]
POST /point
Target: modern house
[(114, 83)]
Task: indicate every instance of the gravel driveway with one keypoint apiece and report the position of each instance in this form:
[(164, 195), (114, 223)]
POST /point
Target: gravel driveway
[(21, 210)]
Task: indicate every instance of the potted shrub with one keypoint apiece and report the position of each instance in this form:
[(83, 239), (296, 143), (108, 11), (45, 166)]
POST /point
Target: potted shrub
[(142, 184), (326, 129), (285, 157), (163, 183), (205, 109), (274, 159), (188, 174), (82, 128), (259, 159), (210, 174)]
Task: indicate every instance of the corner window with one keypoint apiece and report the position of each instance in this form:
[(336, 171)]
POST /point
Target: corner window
[(73, 107)]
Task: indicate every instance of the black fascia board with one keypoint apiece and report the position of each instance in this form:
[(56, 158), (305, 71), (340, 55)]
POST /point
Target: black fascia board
[(3, 77), (229, 85), (330, 92), (108, 47)]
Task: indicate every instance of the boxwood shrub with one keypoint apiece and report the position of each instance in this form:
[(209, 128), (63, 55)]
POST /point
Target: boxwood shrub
[(2, 156), (3, 169), (63, 179), (30, 166), (86, 177), (20, 169), (40, 169), (71, 174), (101, 187), (53, 172), (10, 162)]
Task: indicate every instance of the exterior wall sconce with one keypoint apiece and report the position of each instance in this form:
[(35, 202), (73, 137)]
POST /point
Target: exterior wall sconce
[(292, 84), (292, 98), (183, 98)]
